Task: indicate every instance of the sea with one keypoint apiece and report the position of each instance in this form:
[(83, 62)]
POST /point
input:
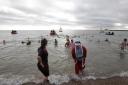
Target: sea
[(18, 62)]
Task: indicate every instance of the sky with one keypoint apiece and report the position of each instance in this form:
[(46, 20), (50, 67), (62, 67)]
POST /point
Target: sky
[(68, 14)]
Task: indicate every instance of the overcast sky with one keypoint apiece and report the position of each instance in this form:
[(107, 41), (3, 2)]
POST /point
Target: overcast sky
[(89, 14)]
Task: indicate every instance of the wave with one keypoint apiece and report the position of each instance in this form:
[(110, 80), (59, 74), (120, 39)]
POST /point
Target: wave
[(54, 78), (14, 79), (60, 79)]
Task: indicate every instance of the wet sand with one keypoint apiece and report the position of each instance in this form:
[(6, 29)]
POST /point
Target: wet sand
[(108, 81)]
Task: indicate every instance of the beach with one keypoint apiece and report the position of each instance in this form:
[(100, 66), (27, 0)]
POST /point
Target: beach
[(105, 63)]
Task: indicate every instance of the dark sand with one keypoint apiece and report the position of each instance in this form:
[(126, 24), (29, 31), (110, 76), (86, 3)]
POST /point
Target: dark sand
[(108, 81)]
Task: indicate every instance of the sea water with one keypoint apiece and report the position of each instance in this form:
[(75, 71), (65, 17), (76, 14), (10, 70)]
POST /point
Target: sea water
[(18, 62)]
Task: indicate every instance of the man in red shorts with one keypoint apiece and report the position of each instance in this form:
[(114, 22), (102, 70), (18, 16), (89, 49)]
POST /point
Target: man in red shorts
[(79, 53)]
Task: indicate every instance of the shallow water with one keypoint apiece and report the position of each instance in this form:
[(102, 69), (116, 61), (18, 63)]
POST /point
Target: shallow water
[(18, 61)]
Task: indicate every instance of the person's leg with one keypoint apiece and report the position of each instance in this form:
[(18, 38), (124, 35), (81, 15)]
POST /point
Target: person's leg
[(79, 68), (46, 73), (42, 70), (76, 68)]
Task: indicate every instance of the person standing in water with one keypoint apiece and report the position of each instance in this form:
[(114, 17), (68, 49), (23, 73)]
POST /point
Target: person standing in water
[(43, 59), (79, 53), (124, 45), (4, 42), (72, 43), (67, 44), (56, 42)]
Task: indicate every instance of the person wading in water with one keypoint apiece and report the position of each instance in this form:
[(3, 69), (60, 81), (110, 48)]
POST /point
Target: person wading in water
[(43, 59), (79, 53)]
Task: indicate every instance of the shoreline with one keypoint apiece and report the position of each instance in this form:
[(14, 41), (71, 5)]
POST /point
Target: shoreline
[(108, 81)]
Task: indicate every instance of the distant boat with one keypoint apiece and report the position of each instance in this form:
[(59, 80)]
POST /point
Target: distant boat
[(109, 33), (13, 32), (53, 32), (60, 30)]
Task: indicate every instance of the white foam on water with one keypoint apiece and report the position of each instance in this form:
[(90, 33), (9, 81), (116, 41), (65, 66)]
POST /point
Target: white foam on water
[(18, 80), (58, 79), (14, 79), (123, 74), (75, 77), (93, 78), (54, 78), (90, 77)]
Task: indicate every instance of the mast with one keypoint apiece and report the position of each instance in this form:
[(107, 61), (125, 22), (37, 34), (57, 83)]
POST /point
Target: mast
[(60, 30)]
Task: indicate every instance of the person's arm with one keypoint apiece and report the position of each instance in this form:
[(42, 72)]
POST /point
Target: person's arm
[(39, 58), (84, 54), (66, 44), (73, 54), (40, 61)]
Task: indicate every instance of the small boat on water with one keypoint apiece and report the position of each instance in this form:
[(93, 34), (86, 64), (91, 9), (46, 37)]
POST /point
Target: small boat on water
[(109, 33), (52, 32), (13, 32)]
